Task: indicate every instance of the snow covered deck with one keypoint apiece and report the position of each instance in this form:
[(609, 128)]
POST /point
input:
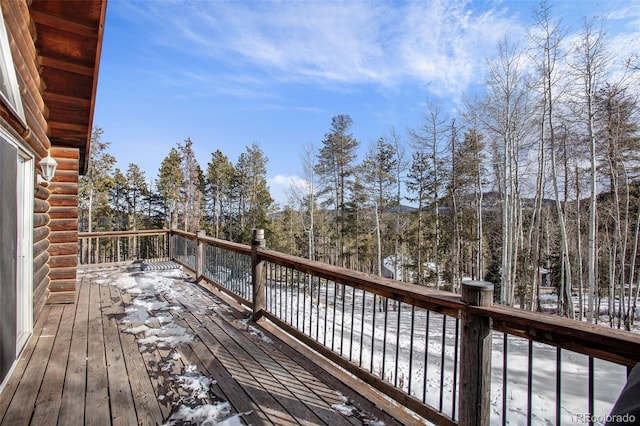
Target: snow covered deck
[(152, 347)]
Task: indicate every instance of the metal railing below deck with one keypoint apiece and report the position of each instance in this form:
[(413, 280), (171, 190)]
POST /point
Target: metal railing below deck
[(222, 263)]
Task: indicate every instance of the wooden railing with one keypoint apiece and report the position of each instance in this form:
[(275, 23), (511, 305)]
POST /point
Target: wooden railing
[(99, 248), (452, 359)]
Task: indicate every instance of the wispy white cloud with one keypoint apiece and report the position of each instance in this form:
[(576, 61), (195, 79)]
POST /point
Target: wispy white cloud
[(242, 49), (285, 187), (436, 43)]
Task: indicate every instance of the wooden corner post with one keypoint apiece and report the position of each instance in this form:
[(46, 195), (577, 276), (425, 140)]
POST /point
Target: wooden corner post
[(173, 225), (257, 274), (199, 254), (475, 356)]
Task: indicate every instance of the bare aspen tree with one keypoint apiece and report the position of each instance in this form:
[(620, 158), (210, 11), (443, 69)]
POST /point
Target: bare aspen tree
[(304, 195), (401, 165), (454, 187), (545, 38), (471, 115), (589, 61), (417, 183), (505, 119), (618, 134)]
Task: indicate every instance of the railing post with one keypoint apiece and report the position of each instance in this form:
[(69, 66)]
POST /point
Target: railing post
[(475, 356), (174, 221), (199, 254), (257, 274), (172, 226)]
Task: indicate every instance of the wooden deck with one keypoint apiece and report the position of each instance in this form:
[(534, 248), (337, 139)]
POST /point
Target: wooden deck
[(95, 362)]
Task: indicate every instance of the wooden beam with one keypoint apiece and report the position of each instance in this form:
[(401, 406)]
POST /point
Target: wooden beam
[(66, 188), (58, 125), (65, 99), (61, 200), (64, 24), (42, 193), (40, 219), (40, 206), (40, 234), (67, 164), (50, 62)]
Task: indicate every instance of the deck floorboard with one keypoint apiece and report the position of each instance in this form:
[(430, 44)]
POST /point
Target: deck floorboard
[(112, 358)]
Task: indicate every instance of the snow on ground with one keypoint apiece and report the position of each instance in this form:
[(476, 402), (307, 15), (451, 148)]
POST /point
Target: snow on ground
[(424, 345)]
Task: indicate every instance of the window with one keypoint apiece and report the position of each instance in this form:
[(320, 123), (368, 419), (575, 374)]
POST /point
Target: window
[(9, 90)]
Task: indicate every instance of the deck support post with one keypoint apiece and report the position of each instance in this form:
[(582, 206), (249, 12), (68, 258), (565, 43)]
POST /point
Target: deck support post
[(257, 273), (475, 356), (200, 254), (173, 225)]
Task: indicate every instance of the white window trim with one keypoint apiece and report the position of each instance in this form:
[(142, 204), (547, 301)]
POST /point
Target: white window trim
[(12, 99), (24, 267), (26, 155)]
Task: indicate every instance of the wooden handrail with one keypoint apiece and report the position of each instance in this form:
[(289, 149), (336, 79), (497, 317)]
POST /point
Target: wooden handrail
[(122, 233), (435, 300), (187, 235), (228, 245), (618, 346)]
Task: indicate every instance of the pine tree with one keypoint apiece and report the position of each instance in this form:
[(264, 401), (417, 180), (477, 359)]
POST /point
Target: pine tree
[(253, 192), (378, 171), (118, 200), (418, 185), (136, 190), (94, 186), (191, 189), (335, 169), (169, 183), (219, 177)]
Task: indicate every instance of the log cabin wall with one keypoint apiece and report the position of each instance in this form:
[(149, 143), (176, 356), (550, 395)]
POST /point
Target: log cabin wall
[(63, 213), (55, 47), (33, 137)]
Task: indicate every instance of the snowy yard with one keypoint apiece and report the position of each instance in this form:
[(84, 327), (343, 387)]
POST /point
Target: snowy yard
[(424, 345)]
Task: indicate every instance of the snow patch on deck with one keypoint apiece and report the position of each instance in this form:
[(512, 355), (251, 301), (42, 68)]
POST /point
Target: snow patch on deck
[(148, 317)]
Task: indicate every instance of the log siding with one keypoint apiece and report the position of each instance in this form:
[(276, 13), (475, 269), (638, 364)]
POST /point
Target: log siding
[(55, 48), (64, 226)]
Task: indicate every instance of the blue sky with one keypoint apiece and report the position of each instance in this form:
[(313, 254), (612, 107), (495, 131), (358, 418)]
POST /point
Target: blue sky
[(230, 73)]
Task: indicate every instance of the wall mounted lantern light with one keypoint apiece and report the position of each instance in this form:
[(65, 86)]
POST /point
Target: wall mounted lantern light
[(47, 169)]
